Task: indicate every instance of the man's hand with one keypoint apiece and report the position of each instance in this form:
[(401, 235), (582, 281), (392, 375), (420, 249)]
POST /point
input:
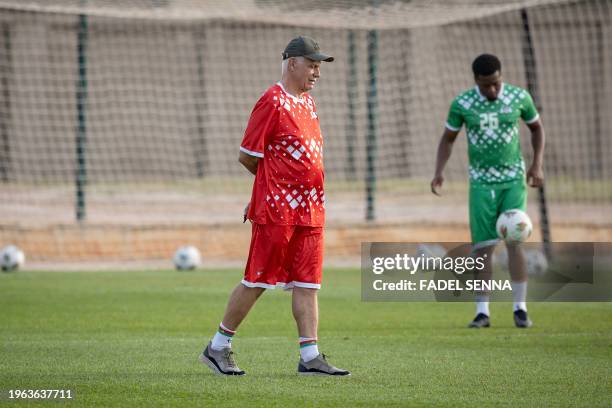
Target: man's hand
[(246, 211), (535, 176), (436, 184)]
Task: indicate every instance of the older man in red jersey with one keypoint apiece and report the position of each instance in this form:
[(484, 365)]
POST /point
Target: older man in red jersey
[(283, 148)]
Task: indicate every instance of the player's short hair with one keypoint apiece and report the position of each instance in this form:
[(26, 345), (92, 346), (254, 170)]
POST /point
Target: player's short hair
[(285, 64), (486, 64)]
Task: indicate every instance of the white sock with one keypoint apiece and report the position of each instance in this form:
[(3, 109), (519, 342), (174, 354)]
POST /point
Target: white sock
[(482, 304), (222, 338), (519, 294), (308, 348)]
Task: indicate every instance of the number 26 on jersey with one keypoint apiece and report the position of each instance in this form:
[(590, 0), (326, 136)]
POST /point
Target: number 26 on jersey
[(489, 121)]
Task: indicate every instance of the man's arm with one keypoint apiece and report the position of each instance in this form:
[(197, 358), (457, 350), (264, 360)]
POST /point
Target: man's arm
[(445, 149), (535, 174), (248, 161)]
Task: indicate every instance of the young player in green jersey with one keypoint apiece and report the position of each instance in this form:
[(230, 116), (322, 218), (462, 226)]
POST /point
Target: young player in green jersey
[(490, 112)]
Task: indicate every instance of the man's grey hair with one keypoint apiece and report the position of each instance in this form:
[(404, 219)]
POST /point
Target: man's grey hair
[(285, 64)]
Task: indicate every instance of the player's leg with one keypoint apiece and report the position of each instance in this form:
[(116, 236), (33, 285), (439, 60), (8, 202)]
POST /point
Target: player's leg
[(482, 318), (268, 245), (515, 197), (238, 306), (517, 266), (305, 309), (218, 354), (304, 264), (483, 215)]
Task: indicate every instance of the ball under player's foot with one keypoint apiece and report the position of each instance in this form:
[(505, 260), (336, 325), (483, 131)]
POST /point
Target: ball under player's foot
[(521, 319), (220, 361), (320, 366), (481, 320)]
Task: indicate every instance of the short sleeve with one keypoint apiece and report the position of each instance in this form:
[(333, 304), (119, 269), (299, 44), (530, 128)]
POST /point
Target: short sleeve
[(454, 121), (529, 113), (263, 121)]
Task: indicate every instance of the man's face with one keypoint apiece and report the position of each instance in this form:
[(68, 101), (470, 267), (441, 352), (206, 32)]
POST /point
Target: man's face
[(489, 85), (305, 72)]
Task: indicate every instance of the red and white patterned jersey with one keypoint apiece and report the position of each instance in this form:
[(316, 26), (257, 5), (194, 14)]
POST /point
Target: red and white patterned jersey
[(284, 133)]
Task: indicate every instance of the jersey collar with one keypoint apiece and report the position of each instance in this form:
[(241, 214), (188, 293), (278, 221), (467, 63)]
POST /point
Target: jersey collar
[(295, 98), (481, 96)]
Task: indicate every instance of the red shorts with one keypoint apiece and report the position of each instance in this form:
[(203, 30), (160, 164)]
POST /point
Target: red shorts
[(285, 255)]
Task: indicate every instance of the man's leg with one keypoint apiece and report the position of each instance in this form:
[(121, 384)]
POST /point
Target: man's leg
[(517, 266), (267, 246), (218, 354), (306, 313), (238, 306), (304, 268), (515, 197), (483, 216), (482, 298)]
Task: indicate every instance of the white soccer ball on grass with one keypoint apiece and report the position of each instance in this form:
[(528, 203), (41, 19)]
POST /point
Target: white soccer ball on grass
[(11, 258), (514, 226), (187, 258)]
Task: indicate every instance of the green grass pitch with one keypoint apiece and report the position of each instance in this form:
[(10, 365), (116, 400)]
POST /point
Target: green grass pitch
[(132, 339)]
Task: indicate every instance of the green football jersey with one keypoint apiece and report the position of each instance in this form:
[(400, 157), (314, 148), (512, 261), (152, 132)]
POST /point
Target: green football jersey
[(492, 129)]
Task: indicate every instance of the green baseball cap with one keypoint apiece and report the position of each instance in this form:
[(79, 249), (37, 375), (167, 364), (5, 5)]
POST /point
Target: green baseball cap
[(303, 46)]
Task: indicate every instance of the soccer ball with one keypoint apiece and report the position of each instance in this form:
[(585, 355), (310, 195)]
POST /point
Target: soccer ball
[(11, 258), (514, 226), (187, 258)]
